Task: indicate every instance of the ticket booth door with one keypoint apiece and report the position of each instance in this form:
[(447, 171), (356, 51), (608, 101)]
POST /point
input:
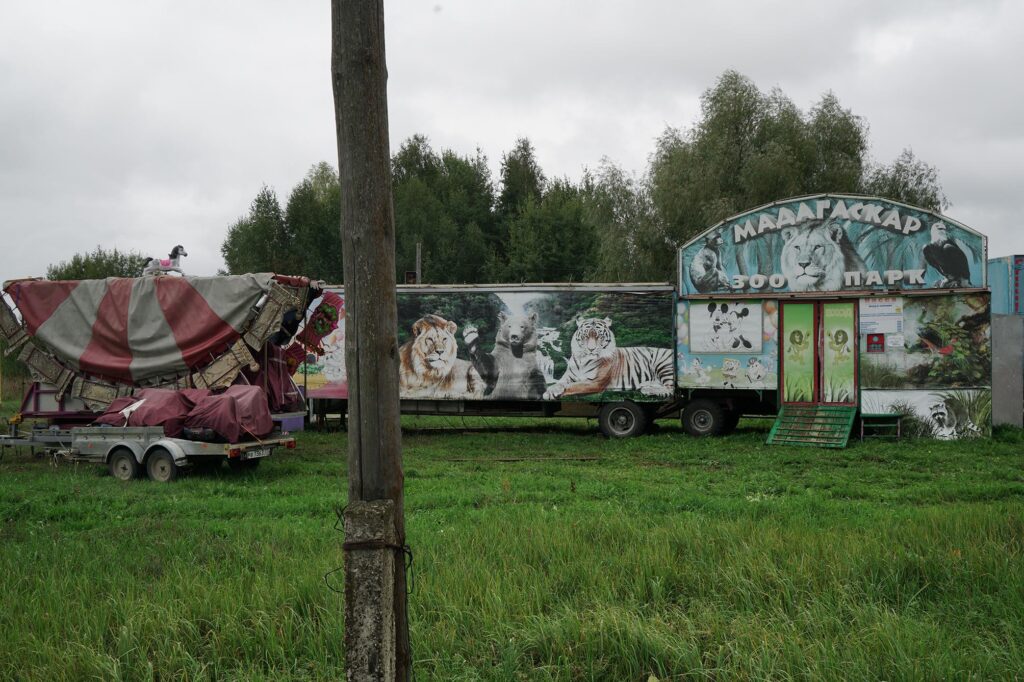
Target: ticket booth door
[(818, 352)]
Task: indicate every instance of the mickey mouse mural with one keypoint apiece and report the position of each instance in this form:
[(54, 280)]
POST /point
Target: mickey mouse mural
[(726, 328), (728, 344)]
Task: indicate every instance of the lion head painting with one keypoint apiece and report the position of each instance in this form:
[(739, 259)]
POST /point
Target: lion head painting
[(815, 258), (428, 366)]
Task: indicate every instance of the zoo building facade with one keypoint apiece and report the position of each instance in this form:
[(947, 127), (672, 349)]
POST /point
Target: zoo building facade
[(837, 307)]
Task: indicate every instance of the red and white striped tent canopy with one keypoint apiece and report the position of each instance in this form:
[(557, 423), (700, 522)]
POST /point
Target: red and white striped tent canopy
[(134, 329)]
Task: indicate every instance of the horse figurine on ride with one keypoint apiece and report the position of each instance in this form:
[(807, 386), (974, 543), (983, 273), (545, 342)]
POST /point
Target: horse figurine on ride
[(162, 266)]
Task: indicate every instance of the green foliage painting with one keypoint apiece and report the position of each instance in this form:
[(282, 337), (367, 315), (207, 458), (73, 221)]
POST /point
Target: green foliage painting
[(947, 344), (798, 352)]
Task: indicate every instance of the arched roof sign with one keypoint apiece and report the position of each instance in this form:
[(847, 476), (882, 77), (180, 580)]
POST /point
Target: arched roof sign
[(833, 243)]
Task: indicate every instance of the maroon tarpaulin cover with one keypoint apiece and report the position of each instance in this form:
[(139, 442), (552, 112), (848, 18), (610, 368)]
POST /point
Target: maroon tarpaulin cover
[(239, 414), (275, 378), (154, 407)]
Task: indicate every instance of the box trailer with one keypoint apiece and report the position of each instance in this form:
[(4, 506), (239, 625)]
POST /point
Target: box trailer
[(847, 307), (605, 351)]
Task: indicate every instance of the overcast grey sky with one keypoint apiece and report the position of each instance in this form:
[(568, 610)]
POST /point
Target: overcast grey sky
[(143, 124)]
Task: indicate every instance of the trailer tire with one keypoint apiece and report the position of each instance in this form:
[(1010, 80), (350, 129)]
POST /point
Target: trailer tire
[(622, 420), (160, 466), (122, 464), (704, 418)]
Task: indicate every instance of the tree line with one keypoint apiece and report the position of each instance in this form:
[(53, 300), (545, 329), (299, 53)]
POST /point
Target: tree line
[(749, 147)]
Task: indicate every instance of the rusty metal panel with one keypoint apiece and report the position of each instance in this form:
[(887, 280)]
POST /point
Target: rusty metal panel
[(221, 372), (97, 394), (1008, 370), (279, 300), (45, 367), (11, 329)]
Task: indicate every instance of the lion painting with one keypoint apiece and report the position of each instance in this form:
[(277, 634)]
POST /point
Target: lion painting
[(815, 258), (428, 367)]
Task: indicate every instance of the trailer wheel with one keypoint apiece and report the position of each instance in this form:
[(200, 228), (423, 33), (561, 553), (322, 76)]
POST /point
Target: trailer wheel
[(122, 464), (622, 420), (704, 418), (243, 464), (160, 466)]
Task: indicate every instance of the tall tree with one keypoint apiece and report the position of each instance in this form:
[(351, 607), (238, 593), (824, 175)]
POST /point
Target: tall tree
[(521, 178), (312, 215), (550, 240), (748, 148), (98, 264), (444, 202), (910, 180), (522, 182), (839, 144), (619, 208), (262, 240)]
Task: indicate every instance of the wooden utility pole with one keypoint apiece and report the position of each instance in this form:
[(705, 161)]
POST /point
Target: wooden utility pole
[(376, 619)]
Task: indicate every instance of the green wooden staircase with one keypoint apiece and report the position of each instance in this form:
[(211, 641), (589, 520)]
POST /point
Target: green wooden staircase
[(822, 426)]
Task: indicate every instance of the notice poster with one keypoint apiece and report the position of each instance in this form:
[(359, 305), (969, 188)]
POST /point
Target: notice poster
[(881, 315), (798, 352), (838, 380)]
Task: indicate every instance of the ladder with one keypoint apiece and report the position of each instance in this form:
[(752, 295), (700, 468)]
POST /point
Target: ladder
[(823, 426)]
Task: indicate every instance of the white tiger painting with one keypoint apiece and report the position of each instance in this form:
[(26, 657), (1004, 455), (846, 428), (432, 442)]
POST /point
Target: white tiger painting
[(597, 365), (549, 343)]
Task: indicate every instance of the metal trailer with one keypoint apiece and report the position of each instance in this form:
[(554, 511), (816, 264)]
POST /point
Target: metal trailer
[(131, 451), (620, 413), (1006, 280)]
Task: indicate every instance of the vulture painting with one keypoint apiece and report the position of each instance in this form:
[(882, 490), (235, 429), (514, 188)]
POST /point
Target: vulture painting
[(946, 256)]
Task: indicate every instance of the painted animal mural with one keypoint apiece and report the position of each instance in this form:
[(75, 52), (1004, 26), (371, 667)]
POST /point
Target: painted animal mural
[(510, 371), (947, 257), (549, 344), (507, 345), (598, 365), (839, 342), (798, 343), (428, 366), (706, 271), (815, 258)]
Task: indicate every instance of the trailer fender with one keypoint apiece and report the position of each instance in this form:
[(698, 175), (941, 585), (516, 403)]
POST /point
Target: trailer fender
[(135, 447), (170, 446)]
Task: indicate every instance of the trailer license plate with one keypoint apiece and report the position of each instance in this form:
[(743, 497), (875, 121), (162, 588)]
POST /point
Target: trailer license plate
[(256, 453)]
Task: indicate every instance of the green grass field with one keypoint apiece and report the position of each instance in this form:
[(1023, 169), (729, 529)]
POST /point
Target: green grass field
[(669, 556)]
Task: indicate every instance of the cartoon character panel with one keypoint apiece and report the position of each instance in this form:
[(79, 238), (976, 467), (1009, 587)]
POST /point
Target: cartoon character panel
[(833, 243), (520, 345), (727, 344)]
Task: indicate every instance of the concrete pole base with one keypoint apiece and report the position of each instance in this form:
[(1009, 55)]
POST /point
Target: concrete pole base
[(370, 541)]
